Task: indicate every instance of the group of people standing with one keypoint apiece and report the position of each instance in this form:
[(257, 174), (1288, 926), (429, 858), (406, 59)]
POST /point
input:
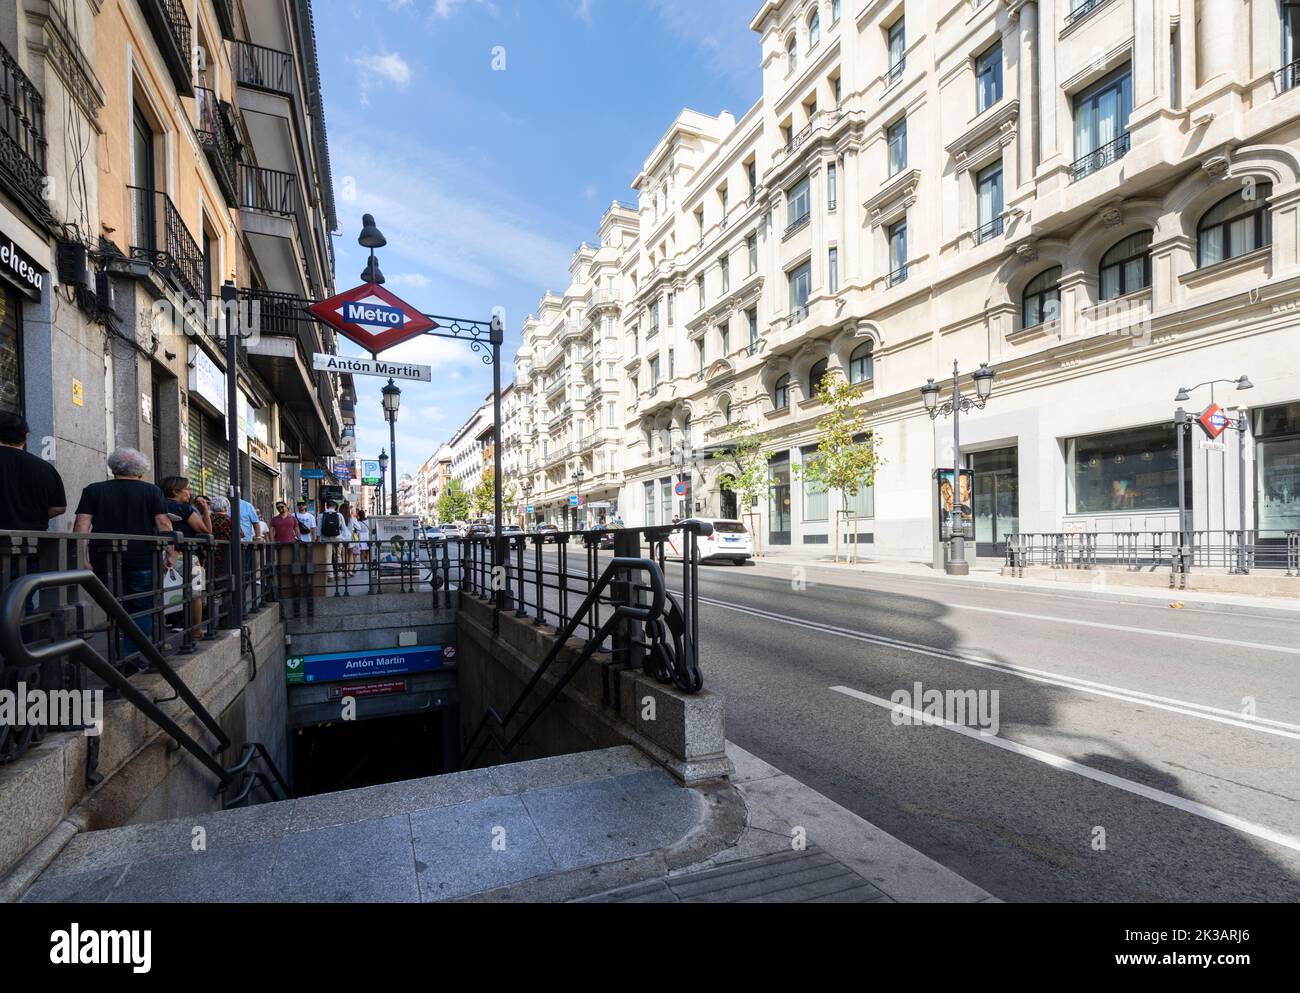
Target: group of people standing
[(338, 524)]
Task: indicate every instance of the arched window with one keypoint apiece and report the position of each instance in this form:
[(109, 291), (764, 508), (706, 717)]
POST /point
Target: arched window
[(814, 30), (1126, 268), (816, 375), (792, 53), (1042, 299), (862, 363), (781, 393), (725, 407), (1236, 225)]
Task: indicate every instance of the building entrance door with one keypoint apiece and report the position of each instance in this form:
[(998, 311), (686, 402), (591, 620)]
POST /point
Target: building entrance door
[(997, 499)]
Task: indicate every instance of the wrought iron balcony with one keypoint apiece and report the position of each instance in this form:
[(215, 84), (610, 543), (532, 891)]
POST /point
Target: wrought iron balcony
[(1288, 77), (989, 230), (1107, 154), (171, 30), (263, 68), (899, 275), (268, 190), (159, 236), (213, 133), (22, 136), (896, 70), (799, 222), (1080, 10)]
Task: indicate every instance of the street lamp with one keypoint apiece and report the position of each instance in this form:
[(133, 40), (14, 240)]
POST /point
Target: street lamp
[(683, 458), (983, 377), (578, 477), (392, 400), (527, 490), (371, 237), (383, 474), (1183, 422)]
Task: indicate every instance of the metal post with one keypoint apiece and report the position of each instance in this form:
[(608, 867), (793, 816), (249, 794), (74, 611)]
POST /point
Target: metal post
[(1243, 425), (957, 565), (392, 454), (229, 300), (1180, 566), (499, 541)]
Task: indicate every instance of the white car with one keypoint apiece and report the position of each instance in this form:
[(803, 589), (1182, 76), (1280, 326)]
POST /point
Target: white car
[(729, 542)]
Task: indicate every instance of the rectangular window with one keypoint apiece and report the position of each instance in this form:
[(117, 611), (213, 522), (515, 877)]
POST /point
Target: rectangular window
[(833, 270), (897, 49), (751, 174), (670, 309), (610, 416), (650, 503), (672, 365), (1101, 115), (699, 355), (832, 187), (699, 292), (724, 333), (1124, 471), (800, 203), (988, 79), (1175, 71), (724, 265), (897, 141), (609, 327), (800, 289), (988, 201), (751, 246), (864, 503), (654, 319), (751, 316), (1277, 462), (897, 252), (815, 504), (654, 373)]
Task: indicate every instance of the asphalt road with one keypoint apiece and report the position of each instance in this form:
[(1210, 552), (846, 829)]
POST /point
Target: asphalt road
[(1141, 753), (1125, 766)]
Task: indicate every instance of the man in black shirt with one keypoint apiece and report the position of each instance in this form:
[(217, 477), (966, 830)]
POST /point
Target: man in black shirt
[(126, 504), (31, 491)]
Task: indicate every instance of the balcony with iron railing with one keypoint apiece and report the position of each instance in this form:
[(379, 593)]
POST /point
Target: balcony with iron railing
[(215, 137), (990, 230), (1107, 154), (22, 136), (271, 191), (263, 68), (170, 25), (1080, 9), (898, 276), (159, 236), (798, 224), (1288, 77)]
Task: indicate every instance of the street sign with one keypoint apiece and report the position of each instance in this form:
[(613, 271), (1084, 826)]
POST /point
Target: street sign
[(331, 668), (1214, 421), (372, 317), (370, 474), (313, 474), (680, 489), (530, 508), (577, 501), (342, 471), (372, 367)]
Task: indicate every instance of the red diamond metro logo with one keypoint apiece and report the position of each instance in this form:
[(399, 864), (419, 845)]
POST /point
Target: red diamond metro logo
[(372, 317)]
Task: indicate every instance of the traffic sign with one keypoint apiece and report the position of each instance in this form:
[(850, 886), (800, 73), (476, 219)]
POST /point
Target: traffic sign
[(1214, 421), (680, 489), (577, 501), (372, 317)]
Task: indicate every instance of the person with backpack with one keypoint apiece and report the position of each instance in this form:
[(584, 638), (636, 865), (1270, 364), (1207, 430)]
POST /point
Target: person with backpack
[(306, 523)]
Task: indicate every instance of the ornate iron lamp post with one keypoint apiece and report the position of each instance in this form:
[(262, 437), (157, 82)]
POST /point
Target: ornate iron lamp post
[(983, 377)]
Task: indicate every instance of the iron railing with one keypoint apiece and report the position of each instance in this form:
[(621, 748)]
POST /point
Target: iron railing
[(797, 223), (22, 130), (989, 230), (1288, 77), (159, 236), (272, 191), (1236, 552), (1107, 154), (899, 275), (214, 136), (1081, 9), (896, 70), (263, 68)]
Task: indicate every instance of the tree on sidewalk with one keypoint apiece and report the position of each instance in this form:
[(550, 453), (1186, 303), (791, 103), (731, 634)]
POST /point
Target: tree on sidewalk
[(847, 457), (743, 466), (483, 499), (453, 503)]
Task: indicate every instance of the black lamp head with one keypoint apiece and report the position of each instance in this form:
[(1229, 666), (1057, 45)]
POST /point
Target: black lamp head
[(371, 236)]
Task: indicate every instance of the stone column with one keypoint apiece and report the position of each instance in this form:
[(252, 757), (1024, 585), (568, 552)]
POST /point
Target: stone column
[(1026, 76)]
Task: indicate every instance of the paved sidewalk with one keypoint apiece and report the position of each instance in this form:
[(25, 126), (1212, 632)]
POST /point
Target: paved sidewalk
[(987, 575)]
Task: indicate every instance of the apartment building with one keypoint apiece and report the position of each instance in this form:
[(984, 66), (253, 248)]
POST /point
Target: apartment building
[(137, 140), (466, 447), (1095, 198), (570, 386)]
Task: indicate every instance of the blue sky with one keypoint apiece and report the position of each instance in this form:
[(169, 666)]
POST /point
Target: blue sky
[(485, 181)]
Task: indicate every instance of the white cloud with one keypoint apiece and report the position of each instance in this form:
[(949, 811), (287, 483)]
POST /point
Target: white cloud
[(583, 11), (721, 34), (415, 279), (372, 70)]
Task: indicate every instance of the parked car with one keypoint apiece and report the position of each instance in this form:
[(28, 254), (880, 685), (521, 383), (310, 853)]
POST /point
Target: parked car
[(607, 534), (550, 533), (729, 542)]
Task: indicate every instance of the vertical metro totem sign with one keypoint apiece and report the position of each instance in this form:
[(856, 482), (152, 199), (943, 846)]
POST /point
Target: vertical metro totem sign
[(377, 320)]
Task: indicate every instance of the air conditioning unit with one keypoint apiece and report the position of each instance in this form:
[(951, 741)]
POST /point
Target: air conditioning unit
[(104, 296), (73, 266)]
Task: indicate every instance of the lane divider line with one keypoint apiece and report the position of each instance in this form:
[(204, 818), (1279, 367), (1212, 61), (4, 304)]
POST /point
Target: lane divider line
[(1087, 772), (1187, 708)]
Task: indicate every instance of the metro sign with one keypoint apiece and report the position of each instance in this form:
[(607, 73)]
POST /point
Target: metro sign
[(372, 317), (1214, 421)]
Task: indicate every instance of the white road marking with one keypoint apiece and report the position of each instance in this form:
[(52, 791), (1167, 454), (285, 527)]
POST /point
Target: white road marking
[(1187, 708), (1087, 772)]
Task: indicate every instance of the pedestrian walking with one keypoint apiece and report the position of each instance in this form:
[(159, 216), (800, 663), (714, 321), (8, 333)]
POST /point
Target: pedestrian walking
[(31, 490), (284, 526), (306, 523), (126, 505)]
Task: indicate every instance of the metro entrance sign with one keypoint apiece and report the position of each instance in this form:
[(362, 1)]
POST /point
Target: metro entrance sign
[(372, 317), (1214, 421)]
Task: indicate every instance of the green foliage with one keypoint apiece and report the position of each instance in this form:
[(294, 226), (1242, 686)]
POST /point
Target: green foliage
[(744, 466), (842, 463), (482, 500), (453, 504)]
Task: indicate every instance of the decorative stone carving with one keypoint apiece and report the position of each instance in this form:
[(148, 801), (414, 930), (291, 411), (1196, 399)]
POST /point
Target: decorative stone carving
[(1112, 214), (1026, 251), (1216, 166)]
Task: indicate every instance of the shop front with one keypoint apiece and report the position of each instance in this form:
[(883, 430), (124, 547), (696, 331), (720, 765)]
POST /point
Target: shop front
[(1277, 471), (22, 280)]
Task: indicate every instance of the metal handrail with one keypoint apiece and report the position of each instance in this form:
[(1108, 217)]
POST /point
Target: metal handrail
[(622, 611)]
